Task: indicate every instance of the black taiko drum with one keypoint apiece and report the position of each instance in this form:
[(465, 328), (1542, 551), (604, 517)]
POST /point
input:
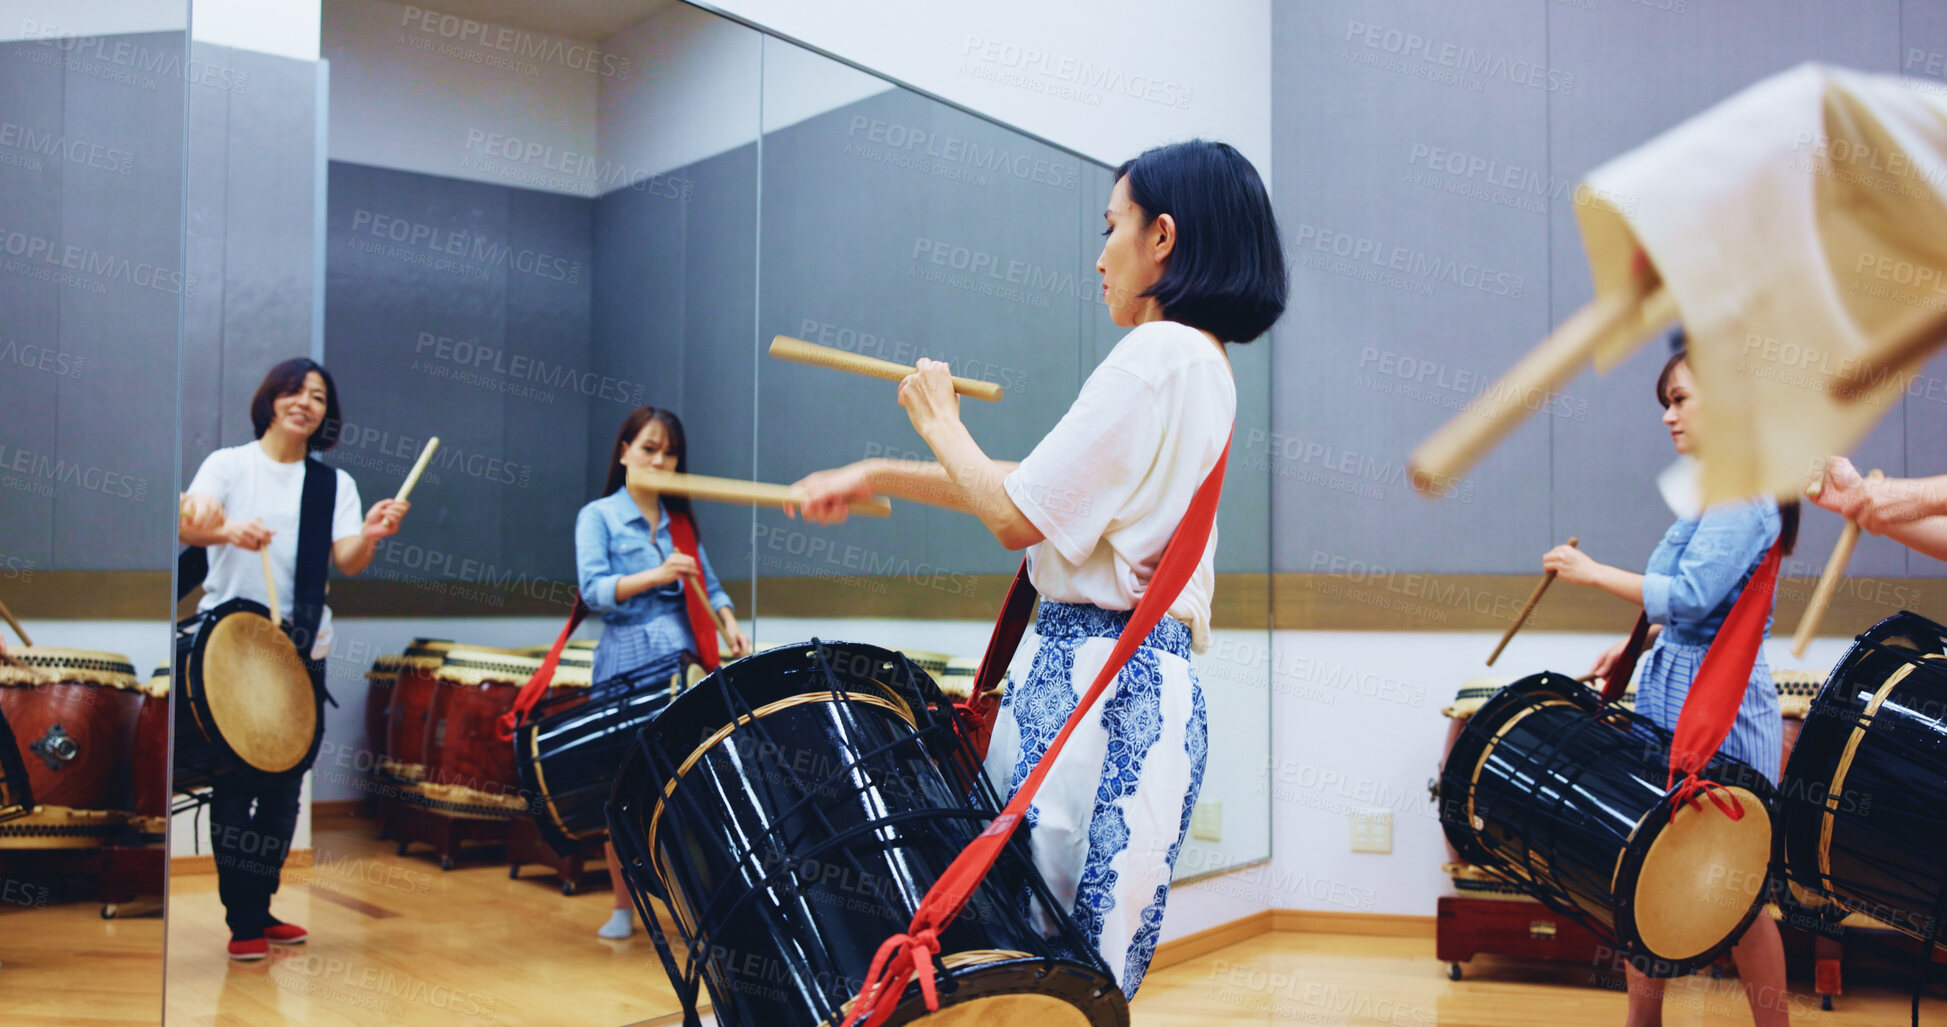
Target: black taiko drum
[(1863, 804), (1566, 797), (246, 702), (794, 807), (567, 751)]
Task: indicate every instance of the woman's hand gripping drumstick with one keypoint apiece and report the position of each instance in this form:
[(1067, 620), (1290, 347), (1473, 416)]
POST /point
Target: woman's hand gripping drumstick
[(1541, 587), (398, 508), (1835, 568), (799, 351), (735, 642)]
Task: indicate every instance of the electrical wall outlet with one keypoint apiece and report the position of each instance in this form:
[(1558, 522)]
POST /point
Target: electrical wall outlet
[(1207, 822), (1372, 830)]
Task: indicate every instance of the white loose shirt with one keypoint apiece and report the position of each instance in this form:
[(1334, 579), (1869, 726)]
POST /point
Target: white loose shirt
[(251, 485), (1110, 483)]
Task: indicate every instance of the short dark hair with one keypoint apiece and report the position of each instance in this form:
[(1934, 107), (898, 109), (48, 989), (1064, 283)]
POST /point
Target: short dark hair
[(1226, 274), (287, 378), (632, 426)]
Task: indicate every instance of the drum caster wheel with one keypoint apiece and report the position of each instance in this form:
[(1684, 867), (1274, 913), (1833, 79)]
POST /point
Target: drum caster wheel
[(446, 862), (567, 887), (1825, 1002), (108, 912), (513, 873), (400, 849), (1453, 971)]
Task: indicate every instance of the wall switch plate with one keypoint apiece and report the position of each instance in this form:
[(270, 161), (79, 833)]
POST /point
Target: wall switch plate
[(1372, 830), (1207, 822)]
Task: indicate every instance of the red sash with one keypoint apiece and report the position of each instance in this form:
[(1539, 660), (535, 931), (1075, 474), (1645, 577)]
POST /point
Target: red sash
[(1710, 710), (703, 626), (909, 955)]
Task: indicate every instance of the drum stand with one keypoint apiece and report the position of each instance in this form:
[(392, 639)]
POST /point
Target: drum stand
[(524, 846)]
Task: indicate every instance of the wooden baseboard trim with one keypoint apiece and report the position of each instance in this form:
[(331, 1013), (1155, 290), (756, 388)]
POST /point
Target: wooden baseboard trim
[(1386, 925), (206, 863), (1202, 943), (339, 808)]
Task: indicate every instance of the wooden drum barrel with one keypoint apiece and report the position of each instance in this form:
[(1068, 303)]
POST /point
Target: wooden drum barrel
[(73, 714)]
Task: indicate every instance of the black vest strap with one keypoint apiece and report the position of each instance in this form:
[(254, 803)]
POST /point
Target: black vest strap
[(320, 498)]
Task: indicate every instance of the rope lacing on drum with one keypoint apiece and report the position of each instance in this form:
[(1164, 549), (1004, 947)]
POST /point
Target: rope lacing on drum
[(1694, 788)]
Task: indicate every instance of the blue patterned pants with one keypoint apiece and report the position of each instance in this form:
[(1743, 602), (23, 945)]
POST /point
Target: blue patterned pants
[(1110, 818)]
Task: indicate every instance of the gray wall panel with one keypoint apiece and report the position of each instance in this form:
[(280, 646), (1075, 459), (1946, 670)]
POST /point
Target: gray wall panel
[(1411, 285), (850, 240), (719, 301), (114, 498), (461, 310), (31, 98), (539, 477), (270, 179), (204, 392)]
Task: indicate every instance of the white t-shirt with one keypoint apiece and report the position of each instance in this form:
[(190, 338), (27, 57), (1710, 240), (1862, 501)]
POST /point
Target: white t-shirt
[(1109, 485), (251, 485)]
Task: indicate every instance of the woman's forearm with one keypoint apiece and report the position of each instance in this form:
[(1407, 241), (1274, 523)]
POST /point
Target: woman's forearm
[(628, 586), (1624, 585), (971, 484)]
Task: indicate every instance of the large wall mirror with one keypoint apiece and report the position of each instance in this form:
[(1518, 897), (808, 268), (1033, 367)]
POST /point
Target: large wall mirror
[(92, 284), (521, 225)]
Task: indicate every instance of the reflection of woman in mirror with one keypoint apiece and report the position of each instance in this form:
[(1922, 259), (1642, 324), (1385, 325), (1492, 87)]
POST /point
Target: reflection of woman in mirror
[(1192, 263), (1694, 577), (632, 572), (244, 499)]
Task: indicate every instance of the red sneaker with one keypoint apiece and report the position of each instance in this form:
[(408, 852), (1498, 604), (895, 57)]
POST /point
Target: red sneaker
[(255, 948), (286, 934)]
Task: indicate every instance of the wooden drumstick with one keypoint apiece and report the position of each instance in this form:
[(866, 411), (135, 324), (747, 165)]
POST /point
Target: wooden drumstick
[(270, 584), (1835, 568), (799, 351), (1460, 443), (1546, 580), (14, 624), (732, 490), (696, 587), (418, 468)]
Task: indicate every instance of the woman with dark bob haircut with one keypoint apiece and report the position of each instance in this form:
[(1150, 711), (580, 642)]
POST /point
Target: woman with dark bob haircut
[(249, 498), (1191, 264)]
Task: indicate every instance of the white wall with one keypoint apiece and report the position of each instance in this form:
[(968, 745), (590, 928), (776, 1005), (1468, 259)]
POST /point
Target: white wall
[(1359, 751), (1106, 81), (287, 28), (408, 94), (692, 92)]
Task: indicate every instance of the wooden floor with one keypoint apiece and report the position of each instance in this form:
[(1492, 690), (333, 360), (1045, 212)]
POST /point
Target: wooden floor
[(397, 941), (1289, 978), (63, 964)]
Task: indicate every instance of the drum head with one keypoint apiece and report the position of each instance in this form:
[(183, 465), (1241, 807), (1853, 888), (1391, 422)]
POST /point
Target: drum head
[(257, 689), (1701, 877)]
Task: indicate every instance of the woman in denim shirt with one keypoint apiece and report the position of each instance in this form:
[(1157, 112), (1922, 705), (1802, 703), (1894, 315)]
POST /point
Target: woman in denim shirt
[(1694, 576), (631, 574)]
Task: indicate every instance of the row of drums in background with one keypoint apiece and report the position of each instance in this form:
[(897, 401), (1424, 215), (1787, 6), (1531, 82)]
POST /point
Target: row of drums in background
[(1547, 793), (432, 716), (84, 742)]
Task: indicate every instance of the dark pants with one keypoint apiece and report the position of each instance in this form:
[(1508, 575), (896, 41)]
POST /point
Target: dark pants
[(250, 846), (251, 827)]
